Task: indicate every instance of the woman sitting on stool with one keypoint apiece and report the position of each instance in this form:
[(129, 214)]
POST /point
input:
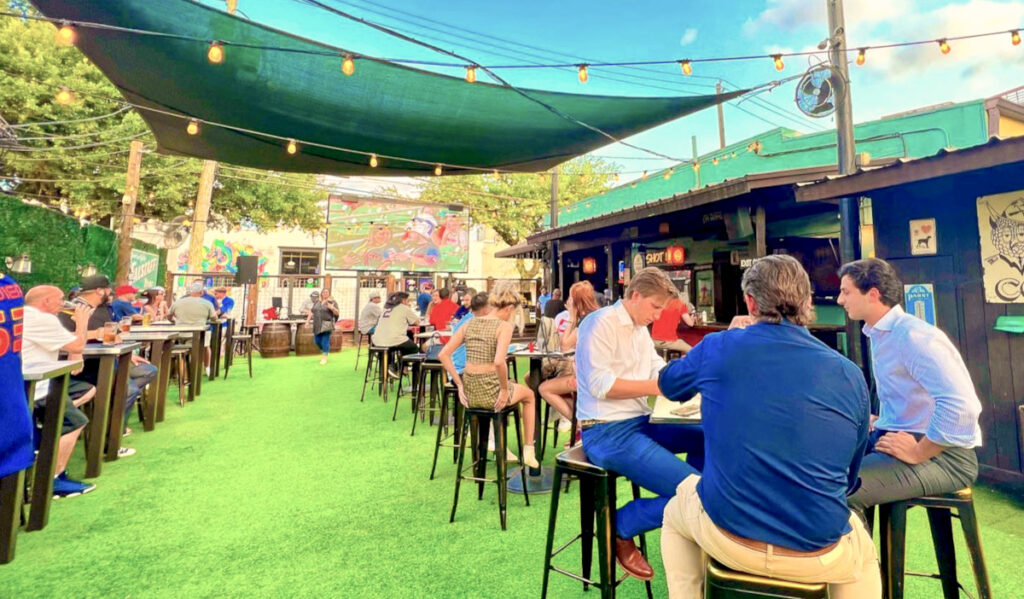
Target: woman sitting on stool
[(558, 391)]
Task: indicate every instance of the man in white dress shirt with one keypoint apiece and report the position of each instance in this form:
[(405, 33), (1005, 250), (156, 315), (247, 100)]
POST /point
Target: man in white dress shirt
[(616, 371)]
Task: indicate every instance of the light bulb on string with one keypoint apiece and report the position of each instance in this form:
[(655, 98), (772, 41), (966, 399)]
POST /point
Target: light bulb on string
[(437, 170), (777, 59), (696, 166), (496, 173), (583, 73), (348, 65), (66, 34), (615, 177), (1015, 37), (373, 161), (215, 53), (944, 46), (643, 176), (193, 127), (232, 6), (714, 160), (861, 57), (686, 66), (470, 74), (292, 147), (668, 174), (65, 97)]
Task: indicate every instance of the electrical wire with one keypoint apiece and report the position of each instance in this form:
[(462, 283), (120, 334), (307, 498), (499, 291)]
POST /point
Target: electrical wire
[(121, 110)]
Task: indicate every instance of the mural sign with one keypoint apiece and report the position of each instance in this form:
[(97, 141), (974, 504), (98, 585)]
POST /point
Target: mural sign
[(221, 255), (381, 235), (143, 269), (1001, 231)]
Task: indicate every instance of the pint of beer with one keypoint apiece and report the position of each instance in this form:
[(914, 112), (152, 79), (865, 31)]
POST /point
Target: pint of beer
[(110, 333), (146, 319), (126, 324)]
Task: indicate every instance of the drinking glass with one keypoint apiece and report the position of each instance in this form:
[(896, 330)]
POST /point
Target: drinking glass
[(110, 333)]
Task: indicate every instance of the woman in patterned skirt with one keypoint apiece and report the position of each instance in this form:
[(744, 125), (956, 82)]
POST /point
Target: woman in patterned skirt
[(484, 383)]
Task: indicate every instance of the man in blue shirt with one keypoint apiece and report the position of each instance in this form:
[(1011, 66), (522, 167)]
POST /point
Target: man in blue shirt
[(923, 439), (785, 426), (16, 452), (227, 304), (424, 298), (122, 306)]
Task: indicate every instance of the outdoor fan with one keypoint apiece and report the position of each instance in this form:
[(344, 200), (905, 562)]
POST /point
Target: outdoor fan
[(815, 94)]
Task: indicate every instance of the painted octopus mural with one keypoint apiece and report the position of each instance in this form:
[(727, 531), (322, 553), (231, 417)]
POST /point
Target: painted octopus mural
[(220, 257)]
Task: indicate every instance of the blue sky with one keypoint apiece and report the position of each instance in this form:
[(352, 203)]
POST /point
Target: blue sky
[(600, 30)]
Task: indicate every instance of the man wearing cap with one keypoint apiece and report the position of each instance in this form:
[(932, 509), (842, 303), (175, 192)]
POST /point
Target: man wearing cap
[(307, 305), (370, 314), (122, 306)]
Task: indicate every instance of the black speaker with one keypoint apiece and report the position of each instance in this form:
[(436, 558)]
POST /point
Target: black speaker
[(247, 268)]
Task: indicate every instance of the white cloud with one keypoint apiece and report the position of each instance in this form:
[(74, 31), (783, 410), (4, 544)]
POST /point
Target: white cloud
[(789, 15), (689, 36)]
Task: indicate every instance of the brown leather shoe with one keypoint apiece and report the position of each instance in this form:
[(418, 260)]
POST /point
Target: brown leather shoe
[(631, 560)]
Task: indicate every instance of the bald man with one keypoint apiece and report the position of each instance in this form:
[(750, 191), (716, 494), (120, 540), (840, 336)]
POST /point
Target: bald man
[(42, 341)]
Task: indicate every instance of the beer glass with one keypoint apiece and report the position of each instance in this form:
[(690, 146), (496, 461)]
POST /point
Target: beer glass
[(126, 324), (110, 333)]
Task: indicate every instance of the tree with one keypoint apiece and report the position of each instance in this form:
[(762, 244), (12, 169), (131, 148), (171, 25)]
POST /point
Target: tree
[(58, 171), (515, 205)]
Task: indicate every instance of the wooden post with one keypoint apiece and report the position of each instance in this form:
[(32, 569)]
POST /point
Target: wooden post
[(252, 303), (721, 118), (759, 233), (200, 215), (131, 194)]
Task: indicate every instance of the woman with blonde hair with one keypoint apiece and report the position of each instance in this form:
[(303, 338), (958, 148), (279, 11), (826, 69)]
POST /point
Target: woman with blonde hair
[(558, 391), (484, 384)]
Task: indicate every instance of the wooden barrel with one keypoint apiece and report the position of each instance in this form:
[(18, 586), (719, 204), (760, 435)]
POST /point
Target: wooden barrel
[(275, 340), (304, 343), (337, 340)]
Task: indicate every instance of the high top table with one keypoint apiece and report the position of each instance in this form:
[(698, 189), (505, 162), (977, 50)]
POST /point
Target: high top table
[(108, 403), (160, 344), (198, 332)]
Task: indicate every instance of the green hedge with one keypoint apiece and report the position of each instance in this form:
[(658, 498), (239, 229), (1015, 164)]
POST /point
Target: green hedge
[(58, 246)]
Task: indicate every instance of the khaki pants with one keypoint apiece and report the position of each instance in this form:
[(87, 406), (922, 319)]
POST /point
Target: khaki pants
[(688, 536), (677, 345)]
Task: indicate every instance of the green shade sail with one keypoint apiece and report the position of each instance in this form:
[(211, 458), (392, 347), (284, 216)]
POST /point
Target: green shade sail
[(383, 108)]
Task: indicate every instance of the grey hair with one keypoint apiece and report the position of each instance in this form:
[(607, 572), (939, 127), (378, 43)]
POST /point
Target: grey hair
[(780, 288)]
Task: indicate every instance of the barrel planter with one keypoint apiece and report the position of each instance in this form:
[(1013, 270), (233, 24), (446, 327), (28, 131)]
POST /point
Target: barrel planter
[(275, 340), (337, 340), (304, 343)]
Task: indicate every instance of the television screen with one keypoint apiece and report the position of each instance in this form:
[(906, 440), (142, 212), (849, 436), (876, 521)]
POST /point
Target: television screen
[(819, 257)]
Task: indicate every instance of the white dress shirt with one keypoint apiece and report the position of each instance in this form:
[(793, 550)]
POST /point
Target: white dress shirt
[(42, 337), (609, 346), (923, 383)]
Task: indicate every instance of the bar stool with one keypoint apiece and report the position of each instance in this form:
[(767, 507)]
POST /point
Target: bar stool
[(427, 403), (180, 357), (359, 344), (374, 364), (412, 362), (597, 500), (722, 583), (480, 420), (554, 427), (893, 530), (513, 368), (240, 344), (449, 397)]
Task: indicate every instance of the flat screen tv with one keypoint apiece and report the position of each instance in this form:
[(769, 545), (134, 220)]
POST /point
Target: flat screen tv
[(819, 257)]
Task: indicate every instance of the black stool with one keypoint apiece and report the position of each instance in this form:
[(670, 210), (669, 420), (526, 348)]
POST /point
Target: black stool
[(359, 345), (479, 420), (597, 500), (426, 403), (449, 397), (374, 364), (413, 361), (180, 357), (722, 583), (893, 530), (513, 368), (554, 427), (238, 344)]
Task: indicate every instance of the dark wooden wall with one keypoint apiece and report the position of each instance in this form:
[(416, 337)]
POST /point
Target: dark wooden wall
[(995, 359)]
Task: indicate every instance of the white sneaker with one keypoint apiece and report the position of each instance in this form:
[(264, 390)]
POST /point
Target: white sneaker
[(125, 452), (323, 360), (510, 457), (564, 425)]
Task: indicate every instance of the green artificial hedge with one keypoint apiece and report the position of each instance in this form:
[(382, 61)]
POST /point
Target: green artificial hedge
[(58, 246)]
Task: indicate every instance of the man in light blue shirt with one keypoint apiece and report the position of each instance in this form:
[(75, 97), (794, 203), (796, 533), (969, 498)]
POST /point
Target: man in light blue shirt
[(923, 439)]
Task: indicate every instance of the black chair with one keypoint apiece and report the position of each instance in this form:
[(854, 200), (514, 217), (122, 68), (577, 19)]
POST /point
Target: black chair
[(941, 510), (427, 401), (722, 583), (238, 344), (449, 397), (597, 501), (480, 420)]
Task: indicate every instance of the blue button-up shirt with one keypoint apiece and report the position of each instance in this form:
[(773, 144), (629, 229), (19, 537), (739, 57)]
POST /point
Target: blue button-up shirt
[(459, 355), (785, 423), (121, 308), (923, 384)]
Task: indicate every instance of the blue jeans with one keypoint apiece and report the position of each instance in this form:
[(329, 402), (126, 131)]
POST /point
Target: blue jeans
[(323, 341), (645, 453)]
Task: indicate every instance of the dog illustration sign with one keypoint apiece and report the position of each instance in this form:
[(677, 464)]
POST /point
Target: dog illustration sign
[(923, 237)]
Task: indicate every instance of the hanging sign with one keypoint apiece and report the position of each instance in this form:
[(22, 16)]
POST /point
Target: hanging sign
[(672, 256), (589, 266), (923, 236), (1001, 232), (622, 272), (920, 301)]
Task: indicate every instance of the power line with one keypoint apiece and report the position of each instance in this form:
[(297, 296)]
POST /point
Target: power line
[(121, 110)]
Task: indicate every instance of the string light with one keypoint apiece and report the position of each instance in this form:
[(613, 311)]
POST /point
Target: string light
[(470, 74), (348, 65), (292, 147), (643, 176), (696, 166), (583, 73), (668, 174), (66, 35), (714, 160), (193, 127), (861, 57), (944, 46), (373, 161), (777, 59), (616, 177), (64, 97), (686, 66), (215, 54), (1015, 37), (232, 6), (437, 169)]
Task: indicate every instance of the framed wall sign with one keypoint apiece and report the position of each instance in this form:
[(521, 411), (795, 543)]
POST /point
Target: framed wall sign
[(923, 238)]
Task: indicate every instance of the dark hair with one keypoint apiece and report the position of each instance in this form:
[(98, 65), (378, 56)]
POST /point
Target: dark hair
[(479, 301), (443, 293), (871, 273), (395, 298)]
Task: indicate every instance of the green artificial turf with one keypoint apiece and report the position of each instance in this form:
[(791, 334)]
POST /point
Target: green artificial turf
[(287, 486)]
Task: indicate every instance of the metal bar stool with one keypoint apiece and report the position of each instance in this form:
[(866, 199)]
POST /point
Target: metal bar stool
[(181, 355), (449, 397), (597, 501), (722, 583), (240, 343), (374, 364), (428, 402), (941, 510), (359, 344), (413, 362), (480, 420)]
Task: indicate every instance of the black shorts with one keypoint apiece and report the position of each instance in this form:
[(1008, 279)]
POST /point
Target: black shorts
[(74, 418)]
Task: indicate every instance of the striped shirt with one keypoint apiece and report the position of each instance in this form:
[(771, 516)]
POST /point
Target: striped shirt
[(923, 383)]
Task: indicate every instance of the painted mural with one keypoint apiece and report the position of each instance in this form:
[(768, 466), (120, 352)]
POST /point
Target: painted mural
[(379, 235), (1001, 226), (220, 257)]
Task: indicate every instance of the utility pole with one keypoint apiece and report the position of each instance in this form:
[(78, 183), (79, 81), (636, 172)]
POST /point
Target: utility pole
[(131, 194), (849, 208), (721, 118), (555, 274), (200, 215), (696, 165)]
